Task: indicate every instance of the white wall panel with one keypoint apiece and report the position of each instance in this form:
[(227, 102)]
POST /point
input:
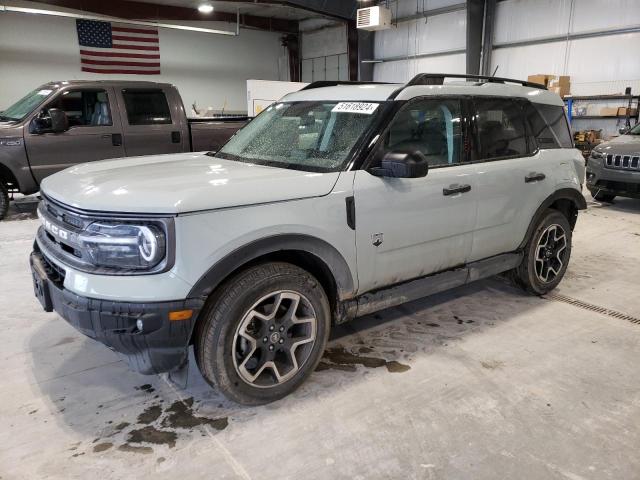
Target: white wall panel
[(410, 7), (324, 42), (403, 70), (434, 34), (605, 14), (210, 70), (596, 65), (527, 19)]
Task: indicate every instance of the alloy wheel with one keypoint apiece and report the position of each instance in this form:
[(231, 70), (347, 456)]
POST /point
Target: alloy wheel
[(550, 253), (274, 339)]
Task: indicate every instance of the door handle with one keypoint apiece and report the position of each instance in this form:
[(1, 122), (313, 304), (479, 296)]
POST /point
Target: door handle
[(534, 177), (116, 138), (453, 189), (176, 137)]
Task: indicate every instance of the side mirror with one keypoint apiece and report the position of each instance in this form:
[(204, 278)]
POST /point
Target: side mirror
[(402, 165), (622, 131), (59, 120)]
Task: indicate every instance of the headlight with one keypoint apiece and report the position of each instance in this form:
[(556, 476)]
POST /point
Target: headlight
[(595, 154), (123, 245)]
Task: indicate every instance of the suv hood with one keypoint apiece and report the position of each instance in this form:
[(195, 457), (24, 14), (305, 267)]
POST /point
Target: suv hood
[(179, 183), (622, 145)]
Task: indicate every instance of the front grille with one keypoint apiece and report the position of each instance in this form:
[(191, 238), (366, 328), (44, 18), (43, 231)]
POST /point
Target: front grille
[(622, 162)]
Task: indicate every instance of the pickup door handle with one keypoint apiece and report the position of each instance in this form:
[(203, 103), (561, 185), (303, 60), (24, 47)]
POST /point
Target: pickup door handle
[(453, 189), (534, 177), (176, 137), (116, 138)]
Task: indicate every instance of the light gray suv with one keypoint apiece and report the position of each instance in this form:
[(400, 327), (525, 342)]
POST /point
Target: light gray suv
[(335, 202)]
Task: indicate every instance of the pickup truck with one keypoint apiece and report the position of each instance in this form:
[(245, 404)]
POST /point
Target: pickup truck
[(60, 124), (333, 203)]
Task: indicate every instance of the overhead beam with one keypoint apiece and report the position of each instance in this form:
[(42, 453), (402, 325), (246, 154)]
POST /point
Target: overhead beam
[(338, 9), (133, 10)]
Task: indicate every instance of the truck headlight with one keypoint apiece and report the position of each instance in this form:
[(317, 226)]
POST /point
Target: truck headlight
[(125, 245), (597, 155)]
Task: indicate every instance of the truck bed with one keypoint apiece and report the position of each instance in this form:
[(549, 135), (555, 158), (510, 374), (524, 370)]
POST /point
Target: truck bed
[(210, 134)]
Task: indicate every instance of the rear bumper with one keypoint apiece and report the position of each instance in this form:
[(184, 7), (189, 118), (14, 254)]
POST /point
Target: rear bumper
[(161, 344)]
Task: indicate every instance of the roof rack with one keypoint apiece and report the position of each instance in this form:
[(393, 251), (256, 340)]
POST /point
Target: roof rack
[(332, 83), (438, 79)]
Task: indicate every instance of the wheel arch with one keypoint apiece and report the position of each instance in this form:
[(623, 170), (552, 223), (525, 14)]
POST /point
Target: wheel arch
[(566, 200), (310, 253), (8, 178)]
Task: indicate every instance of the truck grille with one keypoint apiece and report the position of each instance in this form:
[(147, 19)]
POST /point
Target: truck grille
[(623, 162)]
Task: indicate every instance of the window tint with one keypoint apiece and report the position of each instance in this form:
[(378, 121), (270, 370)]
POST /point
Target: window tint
[(501, 128), (84, 108), (549, 125), (432, 127), (146, 107)]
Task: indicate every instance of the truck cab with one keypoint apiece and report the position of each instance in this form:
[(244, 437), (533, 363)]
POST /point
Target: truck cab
[(60, 124)]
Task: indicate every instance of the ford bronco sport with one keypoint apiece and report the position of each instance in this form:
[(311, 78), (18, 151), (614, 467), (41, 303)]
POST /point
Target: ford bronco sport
[(335, 202)]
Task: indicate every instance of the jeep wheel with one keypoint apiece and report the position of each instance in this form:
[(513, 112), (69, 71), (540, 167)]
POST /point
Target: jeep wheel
[(546, 255), (601, 196), (4, 200), (263, 333)]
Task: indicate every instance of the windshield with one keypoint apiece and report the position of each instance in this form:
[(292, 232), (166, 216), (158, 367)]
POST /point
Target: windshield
[(309, 136), (635, 130), (26, 105)]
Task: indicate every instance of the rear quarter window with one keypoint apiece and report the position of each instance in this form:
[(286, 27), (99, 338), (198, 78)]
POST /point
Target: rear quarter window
[(549, 126)]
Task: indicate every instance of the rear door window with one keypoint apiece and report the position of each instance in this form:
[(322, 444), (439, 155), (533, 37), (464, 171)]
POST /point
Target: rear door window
[(146, 107), (500, 128)]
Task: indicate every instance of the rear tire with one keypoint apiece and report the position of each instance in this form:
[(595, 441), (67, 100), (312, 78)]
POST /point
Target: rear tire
[(4, 200), (602, 196), (263, 333), (546, 255)]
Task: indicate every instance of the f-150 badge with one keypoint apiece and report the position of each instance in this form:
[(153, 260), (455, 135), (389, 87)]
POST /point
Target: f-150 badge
[(376, 239)]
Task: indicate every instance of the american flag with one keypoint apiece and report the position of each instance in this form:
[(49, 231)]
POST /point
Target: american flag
[(107, 47)]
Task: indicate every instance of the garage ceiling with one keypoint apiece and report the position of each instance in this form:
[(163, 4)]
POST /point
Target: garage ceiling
[(272, 10)]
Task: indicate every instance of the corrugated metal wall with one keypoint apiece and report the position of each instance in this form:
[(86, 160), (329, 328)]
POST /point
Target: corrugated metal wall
[(434, 35), (598, 65), (603, 64)]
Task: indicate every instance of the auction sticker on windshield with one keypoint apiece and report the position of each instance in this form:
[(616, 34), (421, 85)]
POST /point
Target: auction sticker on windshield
[(355, 107)]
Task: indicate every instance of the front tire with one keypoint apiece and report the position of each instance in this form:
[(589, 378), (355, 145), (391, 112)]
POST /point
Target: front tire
[(546, 255), (263, 333), (4, 200)]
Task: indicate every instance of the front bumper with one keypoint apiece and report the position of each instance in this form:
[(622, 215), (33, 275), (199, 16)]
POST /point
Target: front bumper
[(160, 346), (624, 183)]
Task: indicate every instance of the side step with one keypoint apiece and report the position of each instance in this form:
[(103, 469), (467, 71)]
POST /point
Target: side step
[(422, 287)]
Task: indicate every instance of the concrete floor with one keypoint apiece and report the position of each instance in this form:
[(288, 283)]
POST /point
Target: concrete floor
[(482, 382)]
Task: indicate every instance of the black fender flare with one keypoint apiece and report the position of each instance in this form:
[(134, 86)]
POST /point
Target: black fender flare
[(308, 244), (562, 194)]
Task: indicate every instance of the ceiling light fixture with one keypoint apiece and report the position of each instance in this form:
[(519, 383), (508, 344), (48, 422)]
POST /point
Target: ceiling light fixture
[(205, 8)]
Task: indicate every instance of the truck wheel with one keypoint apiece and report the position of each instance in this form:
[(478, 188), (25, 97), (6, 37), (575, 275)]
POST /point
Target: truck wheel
[(263, 333), (603, 196), (546, 255), (4, 200)]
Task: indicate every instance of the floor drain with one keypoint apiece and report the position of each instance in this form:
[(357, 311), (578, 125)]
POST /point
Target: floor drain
[(591, 307)]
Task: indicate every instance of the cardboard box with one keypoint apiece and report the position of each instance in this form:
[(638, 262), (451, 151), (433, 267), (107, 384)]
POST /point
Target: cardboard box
[(622, 112), (560, 84), (609, 111)]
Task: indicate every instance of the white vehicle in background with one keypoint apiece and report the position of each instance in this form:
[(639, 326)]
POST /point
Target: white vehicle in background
[(335, 202)]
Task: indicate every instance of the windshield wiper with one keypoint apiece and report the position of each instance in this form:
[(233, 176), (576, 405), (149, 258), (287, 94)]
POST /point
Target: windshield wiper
[(10, 119)]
